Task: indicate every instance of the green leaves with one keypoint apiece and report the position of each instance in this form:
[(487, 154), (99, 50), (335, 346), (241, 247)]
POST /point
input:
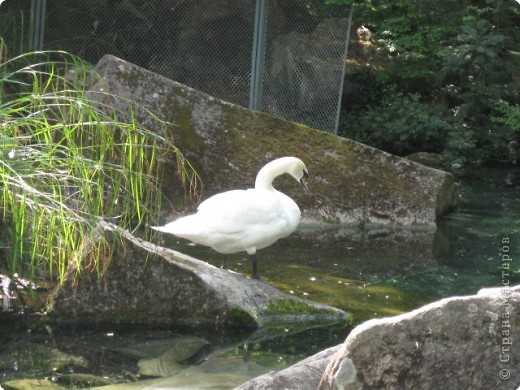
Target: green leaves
[(507, 114), (447, 65), (476, 50), (401, 125), (66, 161)]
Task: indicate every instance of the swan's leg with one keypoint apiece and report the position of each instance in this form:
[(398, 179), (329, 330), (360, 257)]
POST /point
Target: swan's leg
[(254, 273), (224, 262)]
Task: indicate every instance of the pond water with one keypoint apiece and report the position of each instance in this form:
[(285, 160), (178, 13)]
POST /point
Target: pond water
[(371, 272)]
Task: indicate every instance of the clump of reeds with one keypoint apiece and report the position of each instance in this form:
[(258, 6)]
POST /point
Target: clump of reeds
[(66, 161)]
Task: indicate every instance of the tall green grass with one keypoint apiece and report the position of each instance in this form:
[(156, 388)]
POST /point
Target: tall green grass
[(65, 162)]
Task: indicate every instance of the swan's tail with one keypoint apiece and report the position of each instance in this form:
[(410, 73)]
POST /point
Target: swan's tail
[(185, 227), (171, 228), (160, 228)]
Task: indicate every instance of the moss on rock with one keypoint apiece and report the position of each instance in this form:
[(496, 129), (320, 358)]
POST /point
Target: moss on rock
[(228, 144), (149, 284)]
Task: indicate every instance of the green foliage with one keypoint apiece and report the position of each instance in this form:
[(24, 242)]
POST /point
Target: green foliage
[(401, 124), (478, 74), (446, 68), (369, 4), (509, 115), (66, 161), (476, 53), (460, 147)]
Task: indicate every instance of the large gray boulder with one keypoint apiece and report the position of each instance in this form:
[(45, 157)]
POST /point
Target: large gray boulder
[(228, 144), (145, 283), (456, 343)]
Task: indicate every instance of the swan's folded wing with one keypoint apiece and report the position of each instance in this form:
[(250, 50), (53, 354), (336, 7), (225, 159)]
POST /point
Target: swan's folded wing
[(234, 211)]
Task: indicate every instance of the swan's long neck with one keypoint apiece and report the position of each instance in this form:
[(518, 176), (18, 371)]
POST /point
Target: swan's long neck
[(266, 175)]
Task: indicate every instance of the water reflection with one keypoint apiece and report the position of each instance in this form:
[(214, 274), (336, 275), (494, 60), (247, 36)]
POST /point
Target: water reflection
[(368, 254), (342, 266), (350, 252), (382, 270), (138, 357), (368, 272)]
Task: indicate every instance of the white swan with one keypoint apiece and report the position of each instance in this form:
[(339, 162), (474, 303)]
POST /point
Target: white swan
[(245, 220)]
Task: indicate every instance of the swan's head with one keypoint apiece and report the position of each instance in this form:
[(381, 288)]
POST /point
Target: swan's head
[(299, 171), (291, 165)]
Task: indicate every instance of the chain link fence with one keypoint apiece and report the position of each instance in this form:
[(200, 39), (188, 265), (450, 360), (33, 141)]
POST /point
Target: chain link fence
[(207, 45)]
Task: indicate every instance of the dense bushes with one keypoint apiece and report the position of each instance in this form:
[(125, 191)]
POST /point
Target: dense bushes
[(449, 87), (400, 123)]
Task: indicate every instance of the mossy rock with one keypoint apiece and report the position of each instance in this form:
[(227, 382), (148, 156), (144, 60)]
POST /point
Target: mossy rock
[(432, 160), (148, 284), (349, 182)]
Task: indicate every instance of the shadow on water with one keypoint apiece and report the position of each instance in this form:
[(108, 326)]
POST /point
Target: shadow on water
[(368, 272)]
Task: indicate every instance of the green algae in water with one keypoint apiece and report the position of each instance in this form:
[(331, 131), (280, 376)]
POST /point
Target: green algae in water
[(383, 271), (289, 306), (369, 274), (242, 319)]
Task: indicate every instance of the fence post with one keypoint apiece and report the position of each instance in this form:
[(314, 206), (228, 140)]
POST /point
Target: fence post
[(258, 57), (37, 25), (344, 64)]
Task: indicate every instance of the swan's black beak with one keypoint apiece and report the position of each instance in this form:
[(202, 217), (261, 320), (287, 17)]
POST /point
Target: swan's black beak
[(303, 182)]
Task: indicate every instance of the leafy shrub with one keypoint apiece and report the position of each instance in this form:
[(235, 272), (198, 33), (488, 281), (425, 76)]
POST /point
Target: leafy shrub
[(477, 75), (402, 124), (440, 95), (507, 117)]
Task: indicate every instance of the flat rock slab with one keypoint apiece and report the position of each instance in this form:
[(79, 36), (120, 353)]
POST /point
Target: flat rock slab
[(228, 144), (455, 343), (145, 283)]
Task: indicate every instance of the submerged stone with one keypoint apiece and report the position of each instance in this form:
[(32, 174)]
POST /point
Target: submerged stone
[(303, 375), (178, 348), (145, 283), (81, 381), (37, 357), (170, 361), (228, 144), (30, 384), (216, 373)]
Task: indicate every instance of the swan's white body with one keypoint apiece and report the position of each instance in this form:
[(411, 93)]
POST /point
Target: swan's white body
[(245, 220)]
